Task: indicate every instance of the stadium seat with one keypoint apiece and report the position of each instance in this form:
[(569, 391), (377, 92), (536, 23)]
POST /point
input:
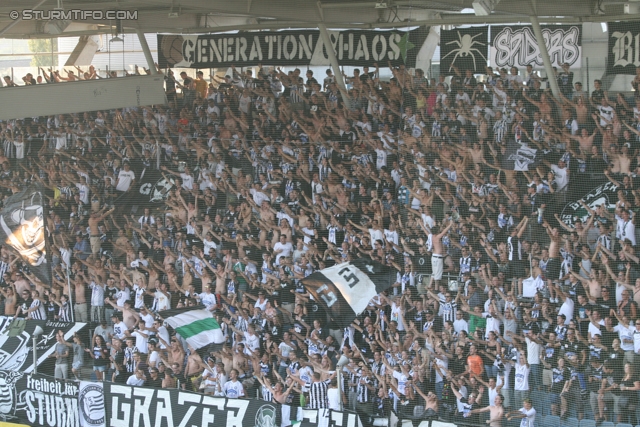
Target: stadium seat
[(551, 421), (623, 425), (607, 424), (570, 422), (587, 423)]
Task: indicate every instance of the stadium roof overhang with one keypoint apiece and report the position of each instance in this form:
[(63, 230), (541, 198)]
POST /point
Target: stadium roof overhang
[(201, 16)]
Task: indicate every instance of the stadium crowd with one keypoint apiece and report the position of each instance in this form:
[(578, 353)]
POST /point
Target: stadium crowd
[(277, 175)]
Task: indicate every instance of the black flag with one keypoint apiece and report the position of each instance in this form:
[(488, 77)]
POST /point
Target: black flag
[(345, 290), (22, 229)]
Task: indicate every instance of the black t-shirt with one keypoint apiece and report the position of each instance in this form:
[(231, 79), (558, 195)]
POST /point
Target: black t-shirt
[(604, 307)]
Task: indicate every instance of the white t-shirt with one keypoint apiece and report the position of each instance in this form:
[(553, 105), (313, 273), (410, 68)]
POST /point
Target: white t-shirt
[(624, 333), (567, 308), (133, 380), (125, 179), (530, 419), (233, 389), (522, 378), (562, 177)]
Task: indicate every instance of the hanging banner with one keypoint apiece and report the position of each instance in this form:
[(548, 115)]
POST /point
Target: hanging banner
[(126, 406), (517, 46), (22, 229), (464, 48), (287, 48), (16, 341), (37, 399), (624, 47), (605, 194)]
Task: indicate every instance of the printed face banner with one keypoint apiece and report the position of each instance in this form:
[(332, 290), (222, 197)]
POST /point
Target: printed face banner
[(464, 48), (624, 47), (16, 341), (38, 399), (286, 48), (22, 228), (516, 46), (605, 194)]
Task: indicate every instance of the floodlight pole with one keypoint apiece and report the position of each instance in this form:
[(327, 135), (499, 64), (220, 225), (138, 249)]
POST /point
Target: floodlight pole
[(546, 60), (333, 60)]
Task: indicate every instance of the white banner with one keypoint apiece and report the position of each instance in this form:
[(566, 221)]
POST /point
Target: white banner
[(517, 46), (91, 404)]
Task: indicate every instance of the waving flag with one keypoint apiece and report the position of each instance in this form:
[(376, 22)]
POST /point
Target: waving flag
[(345, 290), (196, 325)]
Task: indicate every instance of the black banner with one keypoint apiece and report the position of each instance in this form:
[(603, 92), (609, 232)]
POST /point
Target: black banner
[(154, 187), (516, 45), (38, 399), (345, 290), (16, 341), (286, 48), (624, 47), (22, 229), (132, 406), (604, 194), (464, 48)]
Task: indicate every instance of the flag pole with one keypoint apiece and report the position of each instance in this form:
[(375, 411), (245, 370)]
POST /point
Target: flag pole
[(71, 310)]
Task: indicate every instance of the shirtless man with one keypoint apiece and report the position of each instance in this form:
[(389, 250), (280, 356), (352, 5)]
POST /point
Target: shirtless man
[(437, 257), (21, 283), (129, 315), (80, 300), (584, 139), (175, 352), (193, 368), (94, 235), (554, 263), (9, 301), (496, 412)]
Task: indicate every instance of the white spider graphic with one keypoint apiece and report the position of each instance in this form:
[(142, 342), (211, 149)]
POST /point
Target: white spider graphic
[(466, 47)]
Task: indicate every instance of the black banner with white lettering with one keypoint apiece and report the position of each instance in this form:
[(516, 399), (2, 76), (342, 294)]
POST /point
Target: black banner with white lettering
[(624, 47), (345, 290), (38, 400), (155, 187), (126, 406), (16, 341), (517, 46), (286, 48), (605, 195), (464, 48)]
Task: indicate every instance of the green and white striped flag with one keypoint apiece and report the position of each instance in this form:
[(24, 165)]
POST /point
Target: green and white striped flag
[(194, 324)]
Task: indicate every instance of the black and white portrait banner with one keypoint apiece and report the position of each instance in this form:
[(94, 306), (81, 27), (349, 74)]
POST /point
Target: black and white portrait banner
[(464, 48), (517, 46), (294, 47), (623, 48), (22, 228)]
